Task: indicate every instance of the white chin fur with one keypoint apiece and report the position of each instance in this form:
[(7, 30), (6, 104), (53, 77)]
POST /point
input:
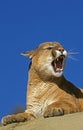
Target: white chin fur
[(50, 71), (58, 74)]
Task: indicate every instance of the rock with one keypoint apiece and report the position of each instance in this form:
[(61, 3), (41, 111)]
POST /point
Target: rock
[(66, 122)]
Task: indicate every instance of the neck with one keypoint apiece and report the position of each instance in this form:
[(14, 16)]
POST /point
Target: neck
[(34, 77)]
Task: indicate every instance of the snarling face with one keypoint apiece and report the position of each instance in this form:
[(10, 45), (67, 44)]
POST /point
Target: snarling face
[(48, 59)]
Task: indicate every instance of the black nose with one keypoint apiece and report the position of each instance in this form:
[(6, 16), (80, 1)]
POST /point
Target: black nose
[(60, 49)]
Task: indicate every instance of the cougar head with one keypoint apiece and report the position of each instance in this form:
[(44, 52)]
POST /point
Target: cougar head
[(48, 59)]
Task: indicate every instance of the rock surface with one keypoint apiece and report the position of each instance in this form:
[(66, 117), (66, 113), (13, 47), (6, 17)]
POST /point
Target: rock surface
[(67, 122)]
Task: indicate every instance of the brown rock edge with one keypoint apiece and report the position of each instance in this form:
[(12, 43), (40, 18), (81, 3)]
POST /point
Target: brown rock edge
[(66, 122)]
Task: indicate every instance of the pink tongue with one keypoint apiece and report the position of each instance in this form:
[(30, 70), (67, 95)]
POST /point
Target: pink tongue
[(58, 65)]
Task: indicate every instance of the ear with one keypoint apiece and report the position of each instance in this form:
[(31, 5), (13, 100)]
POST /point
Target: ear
[(29, 54)]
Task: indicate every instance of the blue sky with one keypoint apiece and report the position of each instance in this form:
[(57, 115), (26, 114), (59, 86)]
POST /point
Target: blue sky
[(23, 25)]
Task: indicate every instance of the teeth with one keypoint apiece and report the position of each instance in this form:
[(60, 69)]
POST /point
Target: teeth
[(57, 59)]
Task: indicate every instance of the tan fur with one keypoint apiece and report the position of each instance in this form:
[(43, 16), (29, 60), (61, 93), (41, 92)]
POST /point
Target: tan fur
[(47, 94)]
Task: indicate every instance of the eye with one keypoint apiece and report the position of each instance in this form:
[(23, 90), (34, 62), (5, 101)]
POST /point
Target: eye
[(49, 48)]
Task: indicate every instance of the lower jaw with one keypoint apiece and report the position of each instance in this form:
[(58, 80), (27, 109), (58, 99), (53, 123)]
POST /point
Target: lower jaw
[(58, 73)]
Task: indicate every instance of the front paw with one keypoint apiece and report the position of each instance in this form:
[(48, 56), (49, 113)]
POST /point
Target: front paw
[(50, 112), (15, 118), (7, 119)]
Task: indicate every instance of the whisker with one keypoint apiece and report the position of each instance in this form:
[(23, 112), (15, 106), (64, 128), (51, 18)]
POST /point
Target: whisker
[(70, 53), (73, 53), (73, 58)]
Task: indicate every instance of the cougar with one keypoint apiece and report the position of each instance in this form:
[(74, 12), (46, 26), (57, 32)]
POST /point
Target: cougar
[(49, 94)]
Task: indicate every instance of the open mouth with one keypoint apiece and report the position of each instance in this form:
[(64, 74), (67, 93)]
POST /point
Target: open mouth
[(58, 63)]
